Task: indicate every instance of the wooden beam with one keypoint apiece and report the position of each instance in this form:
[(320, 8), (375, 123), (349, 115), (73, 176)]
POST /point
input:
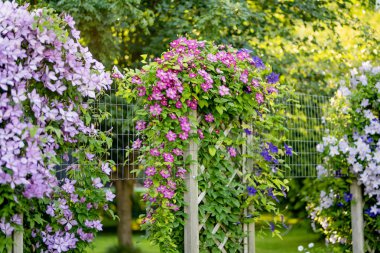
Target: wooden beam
[(191, 198), (18, 240), (357, 218), (251, 226), (251, 236)]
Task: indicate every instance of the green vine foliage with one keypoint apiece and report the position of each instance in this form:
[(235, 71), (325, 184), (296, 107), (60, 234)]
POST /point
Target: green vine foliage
[(218, 97)]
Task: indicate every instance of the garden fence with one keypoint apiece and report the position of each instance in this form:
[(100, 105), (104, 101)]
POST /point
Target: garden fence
[(305, 124), (304, 121)]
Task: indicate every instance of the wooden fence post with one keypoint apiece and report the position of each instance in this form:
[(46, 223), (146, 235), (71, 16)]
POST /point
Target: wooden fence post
[(357, 218), (251, 226), (191, 198), (251, 235), (246, 210), (18, 240)]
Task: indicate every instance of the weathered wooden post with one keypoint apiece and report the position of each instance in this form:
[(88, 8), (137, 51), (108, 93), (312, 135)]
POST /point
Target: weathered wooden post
[(357, 218), (251, 226), (251, 235), (191, 198), (18, 240), (244, 171)]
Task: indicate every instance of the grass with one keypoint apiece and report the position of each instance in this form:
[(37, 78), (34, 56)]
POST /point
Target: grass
[(297, 234), (104, 241)]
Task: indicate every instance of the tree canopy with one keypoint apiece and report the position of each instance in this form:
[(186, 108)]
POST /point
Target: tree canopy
[(303, 39)]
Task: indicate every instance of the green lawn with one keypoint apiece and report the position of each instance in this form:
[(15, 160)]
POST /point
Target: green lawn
[(298, 234), (105, 241)]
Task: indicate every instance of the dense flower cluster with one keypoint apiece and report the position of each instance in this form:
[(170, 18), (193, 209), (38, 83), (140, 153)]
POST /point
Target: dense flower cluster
[(353, 150), (226, 89), (47, 80)]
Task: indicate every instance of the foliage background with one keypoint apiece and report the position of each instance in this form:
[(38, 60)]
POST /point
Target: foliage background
[(310, 42)]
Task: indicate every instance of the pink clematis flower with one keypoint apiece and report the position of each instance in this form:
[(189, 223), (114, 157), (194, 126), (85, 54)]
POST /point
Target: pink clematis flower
[(155, 109), (223, 90)]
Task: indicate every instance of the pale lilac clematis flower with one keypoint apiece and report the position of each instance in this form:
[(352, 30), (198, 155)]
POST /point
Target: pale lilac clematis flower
[(223, 90)]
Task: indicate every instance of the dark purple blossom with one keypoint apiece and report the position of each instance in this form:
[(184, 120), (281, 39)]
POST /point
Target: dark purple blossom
[(272, 148), (271, 226), (288, 150), (347, 197), (283, 190), (273, 78), (244, 50), (265, 154), (270, 194), (370, 213), (258, 62), (282, 218), (271, 90), (247, 89), (251, 191)]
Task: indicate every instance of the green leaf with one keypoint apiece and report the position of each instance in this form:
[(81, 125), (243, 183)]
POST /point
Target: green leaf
[(212, 150), (220, 109), (33, 131)]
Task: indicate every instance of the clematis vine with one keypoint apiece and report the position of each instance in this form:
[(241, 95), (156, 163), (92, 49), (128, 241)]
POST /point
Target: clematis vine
[(212, 95), (48, 82), (351, 151)]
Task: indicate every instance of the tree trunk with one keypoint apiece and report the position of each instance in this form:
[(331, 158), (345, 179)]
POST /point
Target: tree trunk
[(124, 192)]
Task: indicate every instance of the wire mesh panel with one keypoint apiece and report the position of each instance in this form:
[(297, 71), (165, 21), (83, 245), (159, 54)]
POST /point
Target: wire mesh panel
[(68, 162), (119, 124), (304, 121), (306, 127)]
